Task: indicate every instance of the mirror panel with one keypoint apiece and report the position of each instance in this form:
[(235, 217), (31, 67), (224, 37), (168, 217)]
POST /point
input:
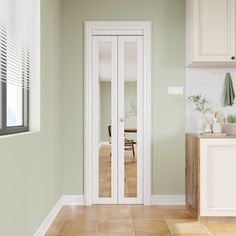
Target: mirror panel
[(130, 119), (105, 130)]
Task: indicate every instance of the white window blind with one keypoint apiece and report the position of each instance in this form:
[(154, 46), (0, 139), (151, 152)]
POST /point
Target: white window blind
[(17, 41)]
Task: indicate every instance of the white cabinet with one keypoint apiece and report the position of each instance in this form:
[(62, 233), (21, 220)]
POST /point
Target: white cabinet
[(217, 177), (210, 33)]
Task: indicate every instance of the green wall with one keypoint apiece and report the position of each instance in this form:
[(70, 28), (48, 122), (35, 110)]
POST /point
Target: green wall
[(168, 22), (30, 170)]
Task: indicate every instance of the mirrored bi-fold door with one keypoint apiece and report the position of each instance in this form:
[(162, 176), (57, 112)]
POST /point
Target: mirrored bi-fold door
[(118, 123)]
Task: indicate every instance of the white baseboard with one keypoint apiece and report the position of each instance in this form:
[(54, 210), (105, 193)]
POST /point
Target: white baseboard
[(63, 201), (66, 200), (71, 200), (49, 219), (168, 199)]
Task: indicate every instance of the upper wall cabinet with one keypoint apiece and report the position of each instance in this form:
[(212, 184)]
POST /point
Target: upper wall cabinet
[(210, 33)]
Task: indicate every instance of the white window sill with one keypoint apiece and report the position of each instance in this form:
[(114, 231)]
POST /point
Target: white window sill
[(18, 134)]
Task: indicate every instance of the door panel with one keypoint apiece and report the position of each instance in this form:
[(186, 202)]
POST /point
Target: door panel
[(130, 79), (118, 125), (105, 124)]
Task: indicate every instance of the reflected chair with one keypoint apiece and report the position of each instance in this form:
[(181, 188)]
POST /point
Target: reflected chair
[(129, 143)]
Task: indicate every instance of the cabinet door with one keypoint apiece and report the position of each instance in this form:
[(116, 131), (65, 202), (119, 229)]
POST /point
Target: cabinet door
[(218, 175), (214, 30)]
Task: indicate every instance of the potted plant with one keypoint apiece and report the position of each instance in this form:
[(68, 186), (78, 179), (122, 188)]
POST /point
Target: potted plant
[(230, 127), (201, 106)]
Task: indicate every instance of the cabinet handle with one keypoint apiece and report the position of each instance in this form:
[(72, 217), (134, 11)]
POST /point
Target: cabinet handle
[(233, 58)]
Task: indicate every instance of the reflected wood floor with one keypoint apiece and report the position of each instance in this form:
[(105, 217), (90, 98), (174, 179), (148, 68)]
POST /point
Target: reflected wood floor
[(105, 173), (135, 220)]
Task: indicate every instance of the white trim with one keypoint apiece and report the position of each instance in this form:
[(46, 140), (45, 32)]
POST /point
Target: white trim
[(126, 27), (43, 228), (35, 94), (168, 199), (72, 200)]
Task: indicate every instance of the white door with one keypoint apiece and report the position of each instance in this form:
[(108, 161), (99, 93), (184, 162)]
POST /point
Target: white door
[(118, 123)]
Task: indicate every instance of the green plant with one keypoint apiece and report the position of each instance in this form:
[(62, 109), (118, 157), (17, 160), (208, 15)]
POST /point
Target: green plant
[(200, 103), (133, 110), (231, 118)]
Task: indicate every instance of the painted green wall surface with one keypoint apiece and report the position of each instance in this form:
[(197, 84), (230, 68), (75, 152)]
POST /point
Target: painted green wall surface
[(168, 22), (30, 170)]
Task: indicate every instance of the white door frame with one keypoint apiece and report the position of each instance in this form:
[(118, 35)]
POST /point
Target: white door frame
[(116, 28)]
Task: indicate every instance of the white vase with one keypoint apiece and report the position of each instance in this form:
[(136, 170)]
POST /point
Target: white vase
[(202, 123)]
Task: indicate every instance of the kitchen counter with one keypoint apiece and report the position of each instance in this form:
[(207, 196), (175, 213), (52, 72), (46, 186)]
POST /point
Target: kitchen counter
[(210, 176), (212, 136)]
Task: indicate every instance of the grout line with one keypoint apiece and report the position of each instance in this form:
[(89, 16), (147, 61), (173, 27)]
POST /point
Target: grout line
[(132, 219), (56, 219), (163, 215), (208, 231), (96, 230), (59, 230), (169, 227), (164, 218)]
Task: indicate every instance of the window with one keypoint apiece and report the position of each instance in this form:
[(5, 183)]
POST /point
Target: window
[(17, 36)]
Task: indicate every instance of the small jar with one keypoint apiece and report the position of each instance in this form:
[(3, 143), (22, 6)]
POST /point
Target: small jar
[(217, 128)]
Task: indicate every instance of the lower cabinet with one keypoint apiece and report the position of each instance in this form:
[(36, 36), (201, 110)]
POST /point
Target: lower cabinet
[(211, 176), (218, 177)]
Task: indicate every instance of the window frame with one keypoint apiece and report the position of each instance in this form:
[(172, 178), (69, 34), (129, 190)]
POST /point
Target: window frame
[(4, 130), (25, 77)]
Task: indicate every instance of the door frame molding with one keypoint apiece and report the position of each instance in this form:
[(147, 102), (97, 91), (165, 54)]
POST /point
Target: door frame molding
[(116, 28)]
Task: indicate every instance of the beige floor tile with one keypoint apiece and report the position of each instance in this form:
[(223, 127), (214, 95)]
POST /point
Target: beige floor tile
[(150, 226), (115, 226), (114, 234), (75, 227), (114, 207), (144, 212), (221, 227), (116, 220), (191, 234), (177, 214), (177, 207), (111, 214), (83, 213), (186, 227), (55, 227), (78, 234), (153, 234), (71, 209), (223, 234)]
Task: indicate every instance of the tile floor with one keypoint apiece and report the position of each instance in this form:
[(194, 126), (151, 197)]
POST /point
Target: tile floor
[(138, 220)]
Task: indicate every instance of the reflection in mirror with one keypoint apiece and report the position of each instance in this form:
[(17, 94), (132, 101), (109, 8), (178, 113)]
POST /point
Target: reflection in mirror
[(105, 120), (130, 125)]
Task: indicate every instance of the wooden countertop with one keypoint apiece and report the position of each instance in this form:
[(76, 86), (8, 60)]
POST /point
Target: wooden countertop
[(212, 136)]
